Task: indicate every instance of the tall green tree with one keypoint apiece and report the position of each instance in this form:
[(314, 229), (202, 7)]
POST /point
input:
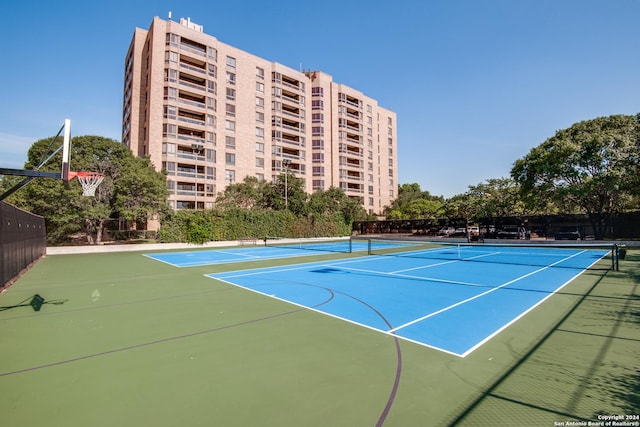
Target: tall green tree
[(132, 189), (287, 193), (592, 165), (413, 203), (248, 194), (496, 197), (335, 201)]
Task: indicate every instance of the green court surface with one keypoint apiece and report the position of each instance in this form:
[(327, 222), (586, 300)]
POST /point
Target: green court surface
[(124, 340)]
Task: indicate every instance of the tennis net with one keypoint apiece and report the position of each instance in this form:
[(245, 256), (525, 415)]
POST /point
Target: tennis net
[(310, 244), (580, 256)]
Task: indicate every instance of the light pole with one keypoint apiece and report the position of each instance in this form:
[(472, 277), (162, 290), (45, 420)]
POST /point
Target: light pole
[(197, 149), (286, 163)]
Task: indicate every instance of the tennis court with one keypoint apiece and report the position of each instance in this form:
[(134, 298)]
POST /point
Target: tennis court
[(323, 338), (433, 296), (292, 249)]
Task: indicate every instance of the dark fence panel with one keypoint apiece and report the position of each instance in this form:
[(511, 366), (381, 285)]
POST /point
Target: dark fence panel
[(618, 226), (23, 240)]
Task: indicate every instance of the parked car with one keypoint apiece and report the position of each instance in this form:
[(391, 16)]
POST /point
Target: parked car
[(512, 232), (568, 233), (446, 231)]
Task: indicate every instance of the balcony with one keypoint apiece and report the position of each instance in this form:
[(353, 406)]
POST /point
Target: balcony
[(194, 82), (191, 135), (191, 99), (192, 65), (193, 47), (191, 117)]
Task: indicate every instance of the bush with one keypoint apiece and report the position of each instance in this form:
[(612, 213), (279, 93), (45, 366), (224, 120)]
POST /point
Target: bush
[(234, 224)]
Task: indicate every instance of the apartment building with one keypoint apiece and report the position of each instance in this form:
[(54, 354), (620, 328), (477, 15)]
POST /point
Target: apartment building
[(210, 114)]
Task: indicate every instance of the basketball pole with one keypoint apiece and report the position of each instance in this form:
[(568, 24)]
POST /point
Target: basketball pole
[(30, 174)]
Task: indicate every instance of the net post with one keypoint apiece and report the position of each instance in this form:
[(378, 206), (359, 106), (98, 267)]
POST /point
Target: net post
[(350, 244), (369, 252)]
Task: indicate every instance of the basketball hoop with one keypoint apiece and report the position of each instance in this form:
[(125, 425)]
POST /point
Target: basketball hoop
[(88, 180)]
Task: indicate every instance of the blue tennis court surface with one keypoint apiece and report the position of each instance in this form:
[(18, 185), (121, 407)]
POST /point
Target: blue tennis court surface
[(447, 304), (255, 253)]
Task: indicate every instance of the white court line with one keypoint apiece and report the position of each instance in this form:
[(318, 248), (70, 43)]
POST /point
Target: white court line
[(266, 270), (407, 276), (482, 294)]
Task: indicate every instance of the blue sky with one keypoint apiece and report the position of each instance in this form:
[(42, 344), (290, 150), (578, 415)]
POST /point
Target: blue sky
[(476, 84)]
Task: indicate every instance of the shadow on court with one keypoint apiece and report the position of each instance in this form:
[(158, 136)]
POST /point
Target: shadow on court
[(586, 366)]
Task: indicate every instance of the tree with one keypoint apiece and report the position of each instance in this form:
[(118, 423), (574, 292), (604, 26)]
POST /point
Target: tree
[(413, 203), (132, 189), (496, 197), (335, 201), (593, 165), (287, 193), (248, 194)]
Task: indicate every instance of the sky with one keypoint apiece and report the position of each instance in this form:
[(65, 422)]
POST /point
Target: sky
[(475, 84)]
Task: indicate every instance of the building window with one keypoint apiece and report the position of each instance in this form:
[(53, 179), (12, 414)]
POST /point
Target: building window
[(169, 130), (259, 102), (260, 132), (260, 73), (230, 141), (317, 91), (211, 172), (230, 159), (259, 147), (229, 176), (260, 87), (171, 56), (259, 162), (170, 112), (317, 157), (317, 143), (231, 78), (231, 110), (230, 125), (231, 94), (259, 117), (170, 167), (318, 184), (317, 118), (231, 62), (211, 155), (170, 93), (170, 75), (213, 53), (317, 130), (317, 104), (318, 171)]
